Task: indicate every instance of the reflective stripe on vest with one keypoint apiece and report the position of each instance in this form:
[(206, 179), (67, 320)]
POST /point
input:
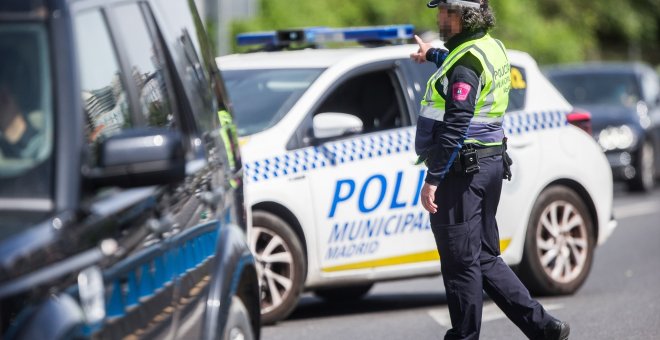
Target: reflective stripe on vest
[(495, 81)]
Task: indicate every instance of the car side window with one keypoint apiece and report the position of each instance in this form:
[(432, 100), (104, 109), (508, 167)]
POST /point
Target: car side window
[(518, 92), (147, 66), (186, 54), (104, 99), (26, 114), (373, 97)]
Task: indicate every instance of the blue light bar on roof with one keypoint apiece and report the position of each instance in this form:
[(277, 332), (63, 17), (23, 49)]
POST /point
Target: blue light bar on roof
[(320, 35), (257, 38)]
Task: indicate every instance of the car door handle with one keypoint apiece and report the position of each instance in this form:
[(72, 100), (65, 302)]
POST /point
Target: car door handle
[(297, 178)]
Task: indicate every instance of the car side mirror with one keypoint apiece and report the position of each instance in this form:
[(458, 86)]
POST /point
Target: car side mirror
[(334, 124), (139, 157)]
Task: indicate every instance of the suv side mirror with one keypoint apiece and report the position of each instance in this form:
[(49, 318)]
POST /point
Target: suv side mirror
[(334, 124), (139, 157)]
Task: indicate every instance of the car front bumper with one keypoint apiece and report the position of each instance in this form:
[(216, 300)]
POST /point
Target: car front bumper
[(607, 230), (622, 163)]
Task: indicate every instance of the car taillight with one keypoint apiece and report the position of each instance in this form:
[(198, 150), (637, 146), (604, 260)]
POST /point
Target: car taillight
[(581, 119)]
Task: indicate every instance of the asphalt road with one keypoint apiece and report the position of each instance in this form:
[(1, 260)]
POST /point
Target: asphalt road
[(620, 299)]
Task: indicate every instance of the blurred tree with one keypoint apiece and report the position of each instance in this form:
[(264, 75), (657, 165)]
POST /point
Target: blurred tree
[(553, 31), (526, 25)]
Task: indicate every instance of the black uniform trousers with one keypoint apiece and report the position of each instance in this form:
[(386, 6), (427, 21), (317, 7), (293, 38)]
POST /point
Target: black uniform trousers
[(467, 237)]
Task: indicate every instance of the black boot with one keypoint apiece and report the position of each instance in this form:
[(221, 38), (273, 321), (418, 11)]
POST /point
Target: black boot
[(556, 330)]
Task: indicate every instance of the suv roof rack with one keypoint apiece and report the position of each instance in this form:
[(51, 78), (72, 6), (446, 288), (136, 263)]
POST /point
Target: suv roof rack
[(317, 36)]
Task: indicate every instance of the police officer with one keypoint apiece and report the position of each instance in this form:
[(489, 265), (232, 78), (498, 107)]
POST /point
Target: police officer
[(460, 138)]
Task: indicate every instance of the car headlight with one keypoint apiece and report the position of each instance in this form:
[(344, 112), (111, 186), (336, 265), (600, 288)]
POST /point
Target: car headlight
[(617, 137)]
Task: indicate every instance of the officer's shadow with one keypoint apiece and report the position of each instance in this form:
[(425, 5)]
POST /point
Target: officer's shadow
[(310, 306)]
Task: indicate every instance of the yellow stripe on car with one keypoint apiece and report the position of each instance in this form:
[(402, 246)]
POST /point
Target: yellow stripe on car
[(397, 260)]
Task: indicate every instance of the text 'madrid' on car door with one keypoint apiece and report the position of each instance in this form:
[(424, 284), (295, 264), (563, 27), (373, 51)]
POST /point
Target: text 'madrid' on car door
[(365, 187)]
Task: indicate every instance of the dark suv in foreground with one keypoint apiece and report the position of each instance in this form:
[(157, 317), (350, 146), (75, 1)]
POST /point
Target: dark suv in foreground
[(121, 207)]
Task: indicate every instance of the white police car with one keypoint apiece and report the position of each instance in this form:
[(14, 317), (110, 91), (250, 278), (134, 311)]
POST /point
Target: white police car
[(328, 150)]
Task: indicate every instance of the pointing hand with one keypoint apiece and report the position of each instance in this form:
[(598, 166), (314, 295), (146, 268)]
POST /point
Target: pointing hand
[(420, 56)]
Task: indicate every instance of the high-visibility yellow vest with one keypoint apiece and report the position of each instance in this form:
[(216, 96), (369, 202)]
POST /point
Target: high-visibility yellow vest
[(495, 81)]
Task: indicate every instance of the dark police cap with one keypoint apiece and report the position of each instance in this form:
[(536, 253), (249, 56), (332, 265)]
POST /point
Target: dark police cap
[(466, 3)]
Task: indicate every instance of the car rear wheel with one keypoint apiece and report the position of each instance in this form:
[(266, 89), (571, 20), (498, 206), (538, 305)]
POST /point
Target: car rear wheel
[(238, 325), (280, 265), (343, 293), (559, 245), (644, 179)]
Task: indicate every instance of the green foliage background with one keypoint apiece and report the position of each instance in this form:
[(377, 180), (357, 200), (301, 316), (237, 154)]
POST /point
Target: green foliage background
[(553, 31)]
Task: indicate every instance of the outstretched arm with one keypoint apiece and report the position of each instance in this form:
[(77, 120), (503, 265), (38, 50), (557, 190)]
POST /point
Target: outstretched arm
[(428, 53), (420, 56)]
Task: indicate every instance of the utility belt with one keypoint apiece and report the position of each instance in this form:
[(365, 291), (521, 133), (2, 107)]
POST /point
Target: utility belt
[(467, 162)]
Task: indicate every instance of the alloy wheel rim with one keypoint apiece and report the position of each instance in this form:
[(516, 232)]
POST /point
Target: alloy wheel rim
[(561, 241), (274, 267)]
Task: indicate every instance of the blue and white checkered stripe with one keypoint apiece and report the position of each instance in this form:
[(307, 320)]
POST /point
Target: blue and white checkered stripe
[(379, 144), (523, 122), (330, 154)]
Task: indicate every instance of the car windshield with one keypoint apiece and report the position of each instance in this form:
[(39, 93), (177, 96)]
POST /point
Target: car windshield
[(262, 97), (26, 123), (618, 89)]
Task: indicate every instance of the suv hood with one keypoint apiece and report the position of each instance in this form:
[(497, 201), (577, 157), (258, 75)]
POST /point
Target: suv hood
[(603, 116)]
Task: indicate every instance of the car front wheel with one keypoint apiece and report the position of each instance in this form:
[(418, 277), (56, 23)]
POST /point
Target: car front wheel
[(644, 179), (559, 245), (280, 265)]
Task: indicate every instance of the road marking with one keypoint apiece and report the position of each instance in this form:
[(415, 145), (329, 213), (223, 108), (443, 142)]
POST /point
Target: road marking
[(636, 209), (490, 313)]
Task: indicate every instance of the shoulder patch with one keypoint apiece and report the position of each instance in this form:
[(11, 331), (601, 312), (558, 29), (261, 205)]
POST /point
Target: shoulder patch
[(460, 91)]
